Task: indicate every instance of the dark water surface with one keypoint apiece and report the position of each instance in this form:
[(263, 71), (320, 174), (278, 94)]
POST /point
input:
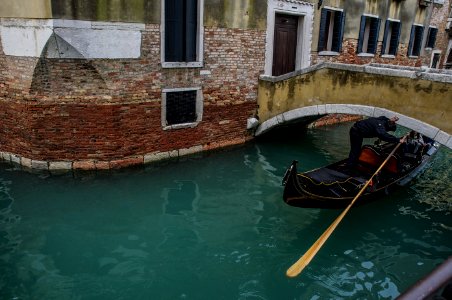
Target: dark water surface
[(216, 228)]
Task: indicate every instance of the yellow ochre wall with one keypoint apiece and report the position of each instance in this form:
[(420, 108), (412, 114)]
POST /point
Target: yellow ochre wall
[(38, 9), (425, 100)]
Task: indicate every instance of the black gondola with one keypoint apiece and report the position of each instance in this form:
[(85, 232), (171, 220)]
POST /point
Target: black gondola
[(334, 186)]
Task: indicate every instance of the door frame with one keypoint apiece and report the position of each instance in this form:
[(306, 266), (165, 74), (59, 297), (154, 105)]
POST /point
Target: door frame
[(305, 13), (293, 29)]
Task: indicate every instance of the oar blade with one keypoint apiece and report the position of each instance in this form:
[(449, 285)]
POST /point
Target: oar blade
[(297, 267)]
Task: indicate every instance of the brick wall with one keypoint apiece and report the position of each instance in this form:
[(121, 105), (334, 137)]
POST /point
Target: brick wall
[(109, 110), (439, 19), (332, 119), (349, 56)]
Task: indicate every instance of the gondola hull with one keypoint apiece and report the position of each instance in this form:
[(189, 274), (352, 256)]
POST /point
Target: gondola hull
[(333, 187)]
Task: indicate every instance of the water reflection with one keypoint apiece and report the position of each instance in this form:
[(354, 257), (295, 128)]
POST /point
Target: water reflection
[(183, 197), (214, 226)]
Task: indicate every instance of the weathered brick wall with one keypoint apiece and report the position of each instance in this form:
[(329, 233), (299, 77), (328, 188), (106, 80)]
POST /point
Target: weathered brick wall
[(332, 119), (110, 110), (53, 132), (439, 19), (349, 56)]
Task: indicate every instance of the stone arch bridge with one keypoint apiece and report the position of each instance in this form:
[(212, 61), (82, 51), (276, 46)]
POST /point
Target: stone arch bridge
[(421, 98)]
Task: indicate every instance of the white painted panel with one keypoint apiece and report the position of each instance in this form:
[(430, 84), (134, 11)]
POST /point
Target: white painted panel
[(105, 43), (80, 39), (24, 41)]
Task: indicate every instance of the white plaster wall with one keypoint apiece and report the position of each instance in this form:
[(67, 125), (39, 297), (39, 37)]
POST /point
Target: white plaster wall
[(21, 37), (82, 39)]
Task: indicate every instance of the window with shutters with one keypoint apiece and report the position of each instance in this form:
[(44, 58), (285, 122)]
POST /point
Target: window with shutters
[(448, 64), (415, 44), (181, 108), (182, 33), (368, 35), (331, 31), (431, 37), (436, 55), (391, 38)]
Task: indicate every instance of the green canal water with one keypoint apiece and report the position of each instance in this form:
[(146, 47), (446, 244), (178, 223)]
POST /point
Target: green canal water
[(215, 227)]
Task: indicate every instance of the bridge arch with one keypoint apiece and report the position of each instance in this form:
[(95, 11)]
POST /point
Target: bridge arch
[(308, 113)]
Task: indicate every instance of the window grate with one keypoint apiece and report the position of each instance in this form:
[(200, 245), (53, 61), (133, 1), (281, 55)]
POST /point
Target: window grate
[(181, 107)]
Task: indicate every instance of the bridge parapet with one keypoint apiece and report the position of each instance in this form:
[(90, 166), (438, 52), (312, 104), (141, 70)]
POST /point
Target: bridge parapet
[(421, 97)]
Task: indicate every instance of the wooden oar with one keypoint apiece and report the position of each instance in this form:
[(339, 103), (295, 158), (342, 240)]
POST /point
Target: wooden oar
[(297, 267)]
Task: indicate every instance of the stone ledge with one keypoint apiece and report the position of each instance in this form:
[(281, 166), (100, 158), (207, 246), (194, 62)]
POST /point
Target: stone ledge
[(377, 69), (91, 164)]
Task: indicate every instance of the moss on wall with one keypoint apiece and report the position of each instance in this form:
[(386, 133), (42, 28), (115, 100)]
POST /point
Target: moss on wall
[(39, 9), (141, 11), (417, 98), (217, 13), (235, 13)]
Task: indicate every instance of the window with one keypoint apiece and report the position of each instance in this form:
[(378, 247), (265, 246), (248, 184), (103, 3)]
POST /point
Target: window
[(435, 60), (368, 34), (448, 64), (414, 47), (431, 37), (181, 108), (182, 33), (331, 30), (391, 37)]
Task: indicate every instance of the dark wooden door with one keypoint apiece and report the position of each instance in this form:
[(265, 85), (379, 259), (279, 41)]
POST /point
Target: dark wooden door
[(285, 44)]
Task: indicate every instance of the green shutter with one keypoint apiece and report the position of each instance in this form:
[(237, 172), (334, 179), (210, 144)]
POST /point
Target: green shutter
[(322, 32), (410, 44), (395, 37), (419, 33), (385, 36), (431, 39), (362, 28), (338, 31), (373, 35)]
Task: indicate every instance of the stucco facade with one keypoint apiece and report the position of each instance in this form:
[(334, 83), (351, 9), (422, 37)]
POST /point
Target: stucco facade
[(88, 84)]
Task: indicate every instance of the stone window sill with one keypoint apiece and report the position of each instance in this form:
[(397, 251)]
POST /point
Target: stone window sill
[(328, 53), (388, 56), (366, 55), (181, 126), (193, 64)]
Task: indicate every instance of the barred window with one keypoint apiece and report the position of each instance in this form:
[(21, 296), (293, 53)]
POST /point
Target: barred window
[(181, 107)]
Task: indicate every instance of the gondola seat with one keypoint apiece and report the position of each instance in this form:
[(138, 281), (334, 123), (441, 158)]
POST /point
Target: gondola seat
[(370, 158)]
